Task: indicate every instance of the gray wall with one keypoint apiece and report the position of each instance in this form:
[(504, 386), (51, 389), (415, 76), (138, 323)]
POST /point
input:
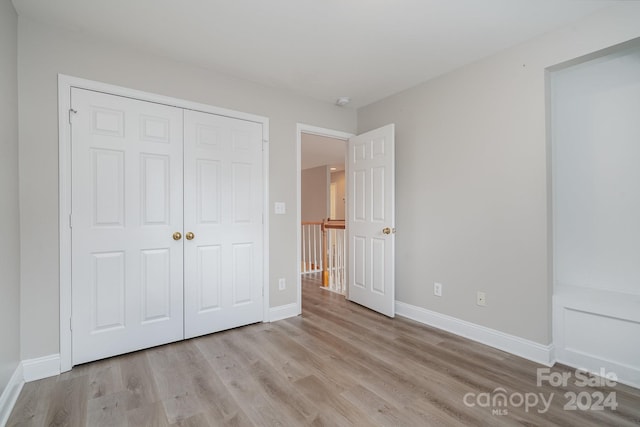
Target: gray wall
[(45, 52), (340, 180), (314, 189), (9, 213), (472, 191)]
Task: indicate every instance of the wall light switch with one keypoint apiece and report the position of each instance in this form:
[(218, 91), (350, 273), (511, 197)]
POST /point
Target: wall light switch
[(280, 208)]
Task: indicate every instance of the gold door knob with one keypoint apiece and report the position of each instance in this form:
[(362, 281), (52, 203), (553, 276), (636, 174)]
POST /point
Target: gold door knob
[(189, 235), (386, 230), (177, 235)]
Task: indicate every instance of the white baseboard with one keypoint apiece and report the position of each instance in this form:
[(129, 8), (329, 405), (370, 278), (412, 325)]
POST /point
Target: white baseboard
[(10, 394), (41, 367), (283, 312), (543, 354)]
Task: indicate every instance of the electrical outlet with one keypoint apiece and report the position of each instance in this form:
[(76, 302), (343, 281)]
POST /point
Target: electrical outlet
[(481, 299), (282, 284), (437, 289)]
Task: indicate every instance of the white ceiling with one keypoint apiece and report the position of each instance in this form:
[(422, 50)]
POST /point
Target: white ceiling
[(322, 151), (364, 49)]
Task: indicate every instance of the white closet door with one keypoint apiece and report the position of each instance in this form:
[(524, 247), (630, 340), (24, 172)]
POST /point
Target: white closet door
[(223, 201), (127, 277)]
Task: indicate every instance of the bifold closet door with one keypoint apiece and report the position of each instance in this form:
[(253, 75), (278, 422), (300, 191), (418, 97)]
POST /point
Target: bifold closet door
[(127, 203), (223, 202)]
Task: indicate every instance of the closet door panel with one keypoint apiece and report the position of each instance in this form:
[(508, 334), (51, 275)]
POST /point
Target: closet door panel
[(223, 198), (127, 270)]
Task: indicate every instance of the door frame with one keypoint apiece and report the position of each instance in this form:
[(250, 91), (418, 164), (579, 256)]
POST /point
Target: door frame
[(314, 130), (65, 83)]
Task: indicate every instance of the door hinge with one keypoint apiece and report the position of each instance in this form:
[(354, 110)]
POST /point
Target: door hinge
[(70, 324), (264, 142), (70, 222), (72, 111)]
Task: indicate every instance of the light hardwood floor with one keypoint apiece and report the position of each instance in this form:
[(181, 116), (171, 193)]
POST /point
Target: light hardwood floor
[(337, 364)]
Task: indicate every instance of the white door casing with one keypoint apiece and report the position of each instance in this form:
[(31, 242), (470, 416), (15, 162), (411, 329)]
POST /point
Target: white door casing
[(126, 204), (223, 209), (371, 219)]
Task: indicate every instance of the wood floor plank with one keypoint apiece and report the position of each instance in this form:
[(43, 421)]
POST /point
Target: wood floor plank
[(68, 405), (151, 415), (240, 384), (108, 410), (33, 403), (337, 409), (336, 364), (137, 378)]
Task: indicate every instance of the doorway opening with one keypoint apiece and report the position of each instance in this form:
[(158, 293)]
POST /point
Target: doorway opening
[(322, 251)]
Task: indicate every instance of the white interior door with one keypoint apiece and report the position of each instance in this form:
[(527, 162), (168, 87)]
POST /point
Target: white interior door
[(126, 205), (223, 210), (371, 219)]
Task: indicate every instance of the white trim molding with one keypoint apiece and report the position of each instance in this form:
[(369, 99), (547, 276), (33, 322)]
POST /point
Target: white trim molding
[(41, 367), (283, 312), (10, 394), (536, 352)]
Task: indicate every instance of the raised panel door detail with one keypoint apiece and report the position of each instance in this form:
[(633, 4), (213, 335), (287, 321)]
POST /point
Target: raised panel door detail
[(241, 184), (208, 192), (208, 136), (377, 194), (108, 291), (108, 188), (377, 265), (360, 185), (154, 129), (209, 277), (242, 272), (156, 279), (108, 122), (377, 148), (359, 153), (240, 140), (359, 261), (155, 189)]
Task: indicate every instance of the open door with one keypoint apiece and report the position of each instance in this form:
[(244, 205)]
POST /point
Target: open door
[(371, 219)]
